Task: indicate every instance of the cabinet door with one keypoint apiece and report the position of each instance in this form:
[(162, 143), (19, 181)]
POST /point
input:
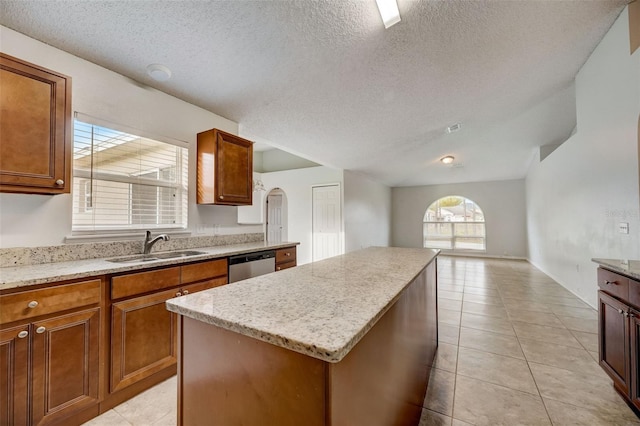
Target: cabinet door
[(634, 330), (65, 365), (234, 169), (613, 339), (143, 338), (14, 348), (35, 142)]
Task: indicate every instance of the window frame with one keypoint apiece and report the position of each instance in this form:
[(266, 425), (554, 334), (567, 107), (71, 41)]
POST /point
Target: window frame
[(453, 245)]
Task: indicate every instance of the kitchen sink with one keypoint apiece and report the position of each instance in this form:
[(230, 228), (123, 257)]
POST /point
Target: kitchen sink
[(155, 256)]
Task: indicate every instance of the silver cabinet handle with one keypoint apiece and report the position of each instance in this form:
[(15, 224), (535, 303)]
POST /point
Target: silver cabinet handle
[(185, 292), (178, 294), (620, 311), (221, 197), (32, 304), (23, 334), (287, 254), (40, 330), (607, 282), (59, 182)]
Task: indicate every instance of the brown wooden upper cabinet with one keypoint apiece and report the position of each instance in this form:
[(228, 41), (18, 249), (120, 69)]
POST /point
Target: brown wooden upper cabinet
[(225, 169), (35, 118)]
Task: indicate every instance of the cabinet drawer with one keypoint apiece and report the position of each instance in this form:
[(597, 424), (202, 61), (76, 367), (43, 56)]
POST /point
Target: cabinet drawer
[(204, 271), (143, 282), (205, 285), (285, 255), (614, 284), (634, 292), (16, 307), (286, 265)]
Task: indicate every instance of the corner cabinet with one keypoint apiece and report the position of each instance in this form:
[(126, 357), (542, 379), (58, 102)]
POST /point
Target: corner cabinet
[(225, 169), (35, 117), (619, 332)]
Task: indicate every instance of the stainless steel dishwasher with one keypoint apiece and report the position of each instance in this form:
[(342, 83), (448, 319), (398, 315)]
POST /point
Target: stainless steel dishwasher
[(250, 265)]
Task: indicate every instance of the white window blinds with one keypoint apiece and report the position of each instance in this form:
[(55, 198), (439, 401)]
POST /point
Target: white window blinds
[(122, 181)]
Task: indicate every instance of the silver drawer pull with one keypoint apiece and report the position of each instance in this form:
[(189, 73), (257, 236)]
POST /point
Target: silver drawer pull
[(23, 334), (607, 282), (59, 182), (32, 304), (288, 254), (185, 292), (40, 330), (178, 294), (620, 311)]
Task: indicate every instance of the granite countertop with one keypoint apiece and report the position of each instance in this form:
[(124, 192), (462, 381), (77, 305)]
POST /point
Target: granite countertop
[(630, 268), (28, 275), (320, 309)]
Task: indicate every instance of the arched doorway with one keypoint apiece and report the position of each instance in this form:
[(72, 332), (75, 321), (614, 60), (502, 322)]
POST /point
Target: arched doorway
[(277, 220), (454, 223)]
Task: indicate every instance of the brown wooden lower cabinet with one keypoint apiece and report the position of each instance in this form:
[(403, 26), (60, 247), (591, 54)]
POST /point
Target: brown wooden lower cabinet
[(62, 378), (619, 333)]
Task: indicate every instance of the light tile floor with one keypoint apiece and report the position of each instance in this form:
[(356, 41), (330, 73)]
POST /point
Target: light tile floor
[(515, 348)]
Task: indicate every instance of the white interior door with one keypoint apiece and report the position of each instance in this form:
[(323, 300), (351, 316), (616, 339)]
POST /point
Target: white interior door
[(327, 213), (274, 218)]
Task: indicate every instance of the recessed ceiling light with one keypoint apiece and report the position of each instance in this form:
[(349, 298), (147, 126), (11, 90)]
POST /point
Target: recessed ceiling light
[(159, 72), (389, 12), (447, 160), (453, 128)]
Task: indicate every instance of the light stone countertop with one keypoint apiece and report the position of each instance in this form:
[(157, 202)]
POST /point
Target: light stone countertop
[(630, 268), (320, 309), (28, 275)]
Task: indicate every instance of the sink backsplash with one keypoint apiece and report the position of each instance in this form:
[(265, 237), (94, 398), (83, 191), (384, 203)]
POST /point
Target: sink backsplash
[(23, 256)]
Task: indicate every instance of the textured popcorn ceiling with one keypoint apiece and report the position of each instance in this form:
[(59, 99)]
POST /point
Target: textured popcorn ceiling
[(325, 80)]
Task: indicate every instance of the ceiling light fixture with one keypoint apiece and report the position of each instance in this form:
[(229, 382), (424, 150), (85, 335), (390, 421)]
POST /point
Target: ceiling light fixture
[(448, 159), (159, 72), (453, 128), (389, 12)]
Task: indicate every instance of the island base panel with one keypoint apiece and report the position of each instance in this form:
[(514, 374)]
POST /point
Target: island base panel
[(229, 379)]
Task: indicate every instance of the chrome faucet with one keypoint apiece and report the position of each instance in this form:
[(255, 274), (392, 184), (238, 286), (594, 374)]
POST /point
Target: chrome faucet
[(148, 242)]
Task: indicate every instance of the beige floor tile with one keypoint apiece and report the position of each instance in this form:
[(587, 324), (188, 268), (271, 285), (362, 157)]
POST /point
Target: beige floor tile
[(570, 415), (569, 311), (574, 359), (448, 334), (452, 305), (490, 292), (479, 298), (568, 302), (457, 422), (449, 295), (109, 418), (439, 396), (558, 336), (456, 288), (580, 324), (482, 403), (540, 318), (490, 342), (497, 369), (595, 355), (482, 309), (431, 418), (446, 316), (584, 389), (170, 419), (481, 322), (151, 405), (446, 357), (515, 305), (588, 340)]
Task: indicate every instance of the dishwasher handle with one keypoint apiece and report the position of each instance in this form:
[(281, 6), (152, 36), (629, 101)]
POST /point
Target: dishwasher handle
[(251, 257)]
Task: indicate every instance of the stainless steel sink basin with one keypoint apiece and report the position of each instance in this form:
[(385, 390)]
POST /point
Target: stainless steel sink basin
[(155, 256)]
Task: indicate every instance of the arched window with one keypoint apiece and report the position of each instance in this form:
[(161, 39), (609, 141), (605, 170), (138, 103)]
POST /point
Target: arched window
[(454, 223)]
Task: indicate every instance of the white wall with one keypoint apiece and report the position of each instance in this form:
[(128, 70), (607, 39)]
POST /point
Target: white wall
[(296, 184), (577, 196), (38, 220), (502, 202), (367, 212)]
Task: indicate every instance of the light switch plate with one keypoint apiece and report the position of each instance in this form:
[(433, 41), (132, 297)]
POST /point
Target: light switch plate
[(623, 228)]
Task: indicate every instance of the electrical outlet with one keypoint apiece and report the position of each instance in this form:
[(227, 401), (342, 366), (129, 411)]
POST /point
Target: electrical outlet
[(623, 228)]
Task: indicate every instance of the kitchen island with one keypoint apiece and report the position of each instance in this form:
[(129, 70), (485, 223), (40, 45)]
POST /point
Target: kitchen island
[(345, 341)]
